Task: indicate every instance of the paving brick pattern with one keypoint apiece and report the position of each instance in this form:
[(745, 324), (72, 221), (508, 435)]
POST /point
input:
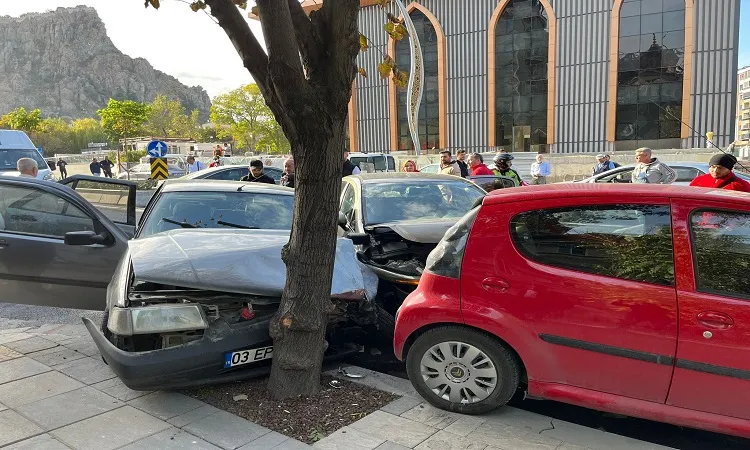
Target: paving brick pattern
[(57, 394)]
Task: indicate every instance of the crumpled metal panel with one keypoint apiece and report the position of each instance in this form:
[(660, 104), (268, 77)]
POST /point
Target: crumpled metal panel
[(423, 231), (238, 261)]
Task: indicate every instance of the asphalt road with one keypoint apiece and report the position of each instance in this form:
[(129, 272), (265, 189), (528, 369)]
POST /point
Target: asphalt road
[(15, 316)]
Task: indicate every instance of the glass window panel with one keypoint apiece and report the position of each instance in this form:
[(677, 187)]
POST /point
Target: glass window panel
[(630, 26), (539, 71), (627, 95), (521, 119), (648, 112), (540, 39), (629, 61), (521, 41), (674, 20), (647, 130), (539, 87), (648, 93), (648, 41), (539, 23), (627, 113), (651, 23), (649, 76), (671, 92), (630, 44), (538, 102), (669, 129), (504, 26), (630, 9), (504, 105), (523, 8), (670, 111), (673, 5), (673, 39), (625, 132), (504, 89), (504, 43), (503, 59), (627, 78), (522, 104), (651, 6)]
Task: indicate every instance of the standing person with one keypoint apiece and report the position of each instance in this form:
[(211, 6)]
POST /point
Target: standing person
[(349, 168), (540, 170), (107, 165), (218, 151), (720, 175), (603, 164), (27, 168), (61, 164), (447, 165), (502, 167), (477, 165), (615, 165), (650, 170), (193, 165), (256, 174), (461, 161), (216, 162), (288, 178), (409, 166), (95, 168)]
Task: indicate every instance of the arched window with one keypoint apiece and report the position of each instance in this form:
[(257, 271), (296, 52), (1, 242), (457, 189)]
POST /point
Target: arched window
[(521, 37), (651, 66), (429, 123)]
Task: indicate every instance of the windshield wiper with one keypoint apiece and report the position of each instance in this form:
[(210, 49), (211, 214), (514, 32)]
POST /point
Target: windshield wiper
[(182, 224), (235, 225)]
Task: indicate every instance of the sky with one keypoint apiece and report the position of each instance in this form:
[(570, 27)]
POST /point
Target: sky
[(192, 48)]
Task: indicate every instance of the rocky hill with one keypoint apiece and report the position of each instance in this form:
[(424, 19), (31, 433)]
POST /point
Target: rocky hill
[(64, 63)]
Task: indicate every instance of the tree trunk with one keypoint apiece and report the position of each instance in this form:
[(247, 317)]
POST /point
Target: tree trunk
[(298, 328)]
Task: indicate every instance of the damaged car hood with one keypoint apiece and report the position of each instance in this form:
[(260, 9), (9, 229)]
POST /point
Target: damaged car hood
[(422, 231), (237, 261)]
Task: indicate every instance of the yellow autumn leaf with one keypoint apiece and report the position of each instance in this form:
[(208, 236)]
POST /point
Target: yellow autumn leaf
[(363, 44), (362, 72), (396, 30), (154, 3), (241, 3), (197, 6), (400, 78), (385, 68)]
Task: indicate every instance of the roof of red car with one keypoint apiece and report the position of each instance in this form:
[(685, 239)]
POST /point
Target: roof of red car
[(619, 191)]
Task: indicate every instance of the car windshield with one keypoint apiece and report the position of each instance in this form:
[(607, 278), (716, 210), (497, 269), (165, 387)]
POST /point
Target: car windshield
[(9, 158), (418, 199), (378, 161), (219, 210)]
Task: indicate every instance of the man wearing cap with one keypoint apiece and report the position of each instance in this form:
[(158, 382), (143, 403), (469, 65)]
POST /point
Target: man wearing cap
[(603, 165), (256, 174), (720, 175)]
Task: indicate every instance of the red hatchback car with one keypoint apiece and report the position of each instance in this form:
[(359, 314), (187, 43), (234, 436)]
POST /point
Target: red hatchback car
[(632, 299)]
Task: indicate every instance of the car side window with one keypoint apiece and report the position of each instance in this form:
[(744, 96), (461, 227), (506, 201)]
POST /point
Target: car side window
[(686, 174), (229, 175), (31, 211), (619, 177), (721, 252), (347, 203), (631, 242)]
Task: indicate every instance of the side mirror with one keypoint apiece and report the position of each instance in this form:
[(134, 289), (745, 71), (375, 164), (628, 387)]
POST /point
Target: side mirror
[(343, 222), (84, 238), (358, 238)]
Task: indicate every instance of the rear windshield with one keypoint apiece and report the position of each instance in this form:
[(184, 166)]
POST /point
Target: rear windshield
[(378, 161), (224, 210), (9, 158)]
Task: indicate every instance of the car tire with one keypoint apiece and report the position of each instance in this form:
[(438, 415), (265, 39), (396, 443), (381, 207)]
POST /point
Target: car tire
[(452, 376), (386, 324)]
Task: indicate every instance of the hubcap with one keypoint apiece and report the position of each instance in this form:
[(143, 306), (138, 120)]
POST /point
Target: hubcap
[(458, 372)]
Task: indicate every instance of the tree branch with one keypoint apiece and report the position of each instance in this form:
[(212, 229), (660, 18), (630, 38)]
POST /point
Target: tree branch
[(308, 42), (233, 23)]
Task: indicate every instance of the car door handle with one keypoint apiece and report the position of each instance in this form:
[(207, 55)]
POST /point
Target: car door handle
[(493, 284), (717, 320)]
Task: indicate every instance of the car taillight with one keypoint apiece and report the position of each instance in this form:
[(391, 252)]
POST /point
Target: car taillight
[(445, 260)]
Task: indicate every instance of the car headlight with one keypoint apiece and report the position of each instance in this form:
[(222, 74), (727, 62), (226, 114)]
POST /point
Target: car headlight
[(156, 319), (49, 176)]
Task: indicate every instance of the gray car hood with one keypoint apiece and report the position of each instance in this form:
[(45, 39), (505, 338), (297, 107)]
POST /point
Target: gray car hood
[(423, 231), (237, 261)]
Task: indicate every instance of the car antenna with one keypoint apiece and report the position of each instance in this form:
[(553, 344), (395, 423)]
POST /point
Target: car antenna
[(702, 136)]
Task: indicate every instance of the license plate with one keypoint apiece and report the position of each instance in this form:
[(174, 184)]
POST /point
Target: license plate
[(249, 356)]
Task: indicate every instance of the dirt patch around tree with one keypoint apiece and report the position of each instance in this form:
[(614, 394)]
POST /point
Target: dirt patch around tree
[(307, 419)]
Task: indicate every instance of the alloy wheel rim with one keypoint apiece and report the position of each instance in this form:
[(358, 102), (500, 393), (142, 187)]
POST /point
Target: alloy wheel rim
[(458, 372)]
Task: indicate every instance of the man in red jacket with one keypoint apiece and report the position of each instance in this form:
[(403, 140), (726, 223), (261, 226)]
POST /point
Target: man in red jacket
[(477, 165), (720, 175)]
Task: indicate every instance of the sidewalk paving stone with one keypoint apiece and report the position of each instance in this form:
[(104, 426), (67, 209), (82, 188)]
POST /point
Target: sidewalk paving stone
[(289, 444), (193, 416), (518, 418), (18, 368), (13, 337), (7, 353), (388, 445), (394, 428), (2, 407), (55, 356), (171, 439), (429, 415), (59, 338), (32, 344), (505, 437), (14, 427), (593, 438), (401, 405), (73, 330), (465, 425), (118, 390), (444, 440), (64, 409), (166, 405), (41, 442), (110, 430), (226, 430), (87, 370), (378, 381), (83, 345), (14, 330), (270, 440), (35, 388), (349, 438)]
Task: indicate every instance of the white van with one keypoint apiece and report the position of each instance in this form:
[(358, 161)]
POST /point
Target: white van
[(15, 145), (379, 162)]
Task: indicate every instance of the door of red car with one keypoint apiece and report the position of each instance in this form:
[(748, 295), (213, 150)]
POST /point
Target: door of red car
[(585, 290), (712, 371)]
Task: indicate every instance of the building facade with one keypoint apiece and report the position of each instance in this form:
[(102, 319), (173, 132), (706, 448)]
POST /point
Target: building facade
[(563, 76), (742, 131)]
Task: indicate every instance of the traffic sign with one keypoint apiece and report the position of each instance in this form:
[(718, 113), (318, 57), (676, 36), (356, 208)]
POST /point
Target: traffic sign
[(157, 149), (159, 169)]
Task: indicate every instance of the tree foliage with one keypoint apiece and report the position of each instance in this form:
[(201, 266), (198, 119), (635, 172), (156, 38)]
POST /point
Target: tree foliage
[(121, 119), (20, 119), (167, 118), (242, 115)]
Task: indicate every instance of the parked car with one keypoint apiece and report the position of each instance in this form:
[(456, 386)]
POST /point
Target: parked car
[(430, 168), (686, 172), (232, 173), (15, 145), (491, 182), (629, 299), (142, 172), (379, 162), (402, 216)]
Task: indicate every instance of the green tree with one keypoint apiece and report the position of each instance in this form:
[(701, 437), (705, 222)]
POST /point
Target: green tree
[(272, 139), (19, 119), (84, 131), (123, 119), (167, 118), (241, 115), (53, 135)]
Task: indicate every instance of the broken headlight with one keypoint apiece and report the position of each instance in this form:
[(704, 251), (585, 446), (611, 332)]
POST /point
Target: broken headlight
[(156, 319)]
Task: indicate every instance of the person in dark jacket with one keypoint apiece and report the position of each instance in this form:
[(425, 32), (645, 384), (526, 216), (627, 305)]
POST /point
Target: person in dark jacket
[(287, 178), (349, 167), (95, 168), (720, 175), (502, 167), (256, 174), (61, 164), (107, 165), (461, 161)]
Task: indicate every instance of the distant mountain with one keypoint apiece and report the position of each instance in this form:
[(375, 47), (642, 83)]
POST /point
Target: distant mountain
[(64, 63)]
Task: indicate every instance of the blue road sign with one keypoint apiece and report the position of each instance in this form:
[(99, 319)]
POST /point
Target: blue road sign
[(157, 149)]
